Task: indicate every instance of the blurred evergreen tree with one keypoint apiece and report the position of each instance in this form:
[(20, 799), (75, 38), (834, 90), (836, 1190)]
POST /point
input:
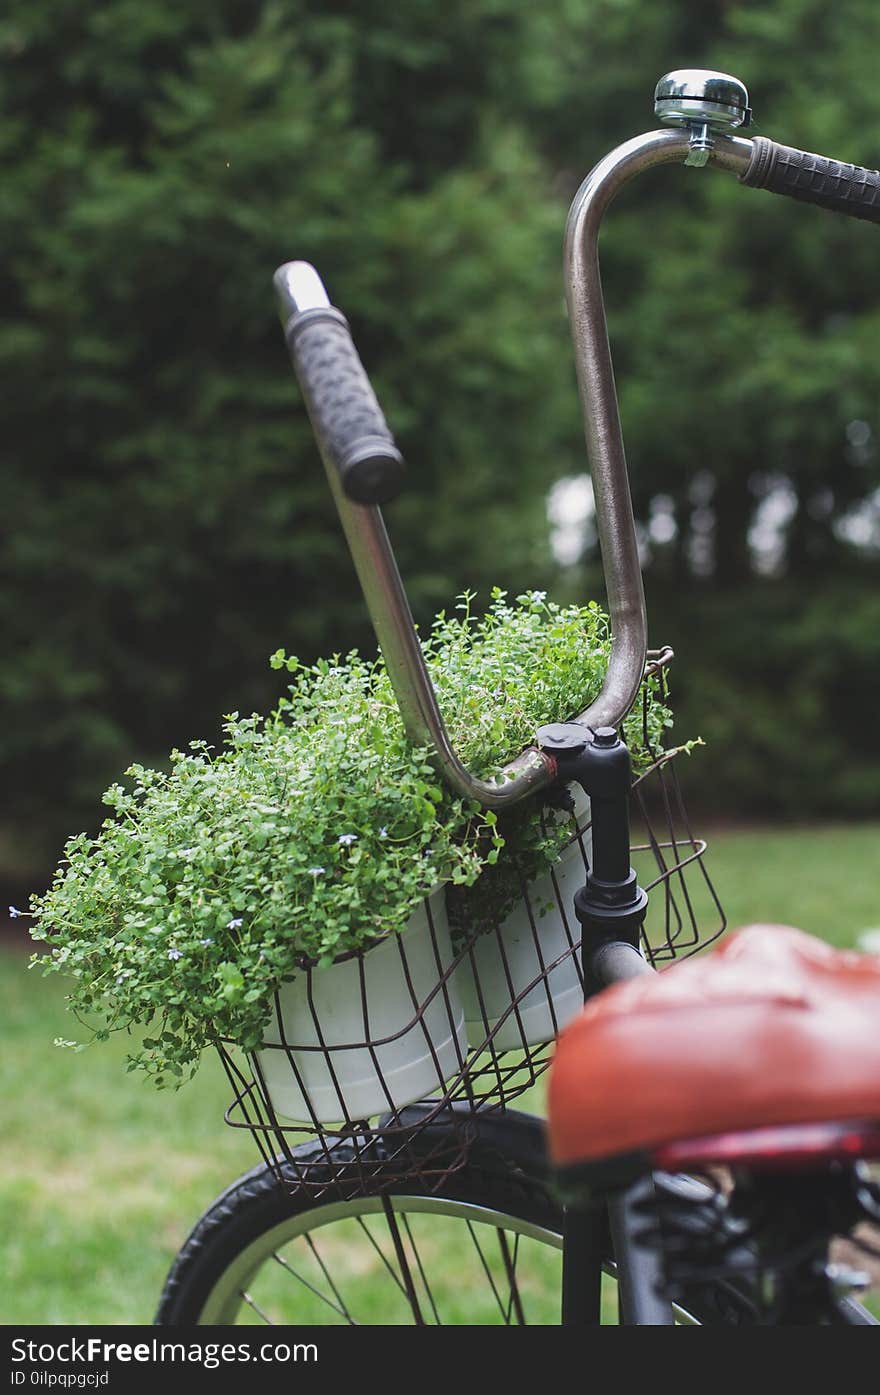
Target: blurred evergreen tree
[(167, 521)]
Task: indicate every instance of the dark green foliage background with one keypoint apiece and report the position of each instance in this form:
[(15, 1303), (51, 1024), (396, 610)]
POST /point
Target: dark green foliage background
[(166, 522)]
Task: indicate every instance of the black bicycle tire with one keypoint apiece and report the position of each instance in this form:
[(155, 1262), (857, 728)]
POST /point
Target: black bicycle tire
[(258, 1201)]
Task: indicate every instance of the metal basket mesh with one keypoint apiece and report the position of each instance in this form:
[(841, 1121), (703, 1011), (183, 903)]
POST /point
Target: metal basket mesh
[(329, 1103)]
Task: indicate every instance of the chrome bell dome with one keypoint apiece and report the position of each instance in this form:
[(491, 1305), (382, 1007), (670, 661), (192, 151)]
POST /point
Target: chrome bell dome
[(697, 96)]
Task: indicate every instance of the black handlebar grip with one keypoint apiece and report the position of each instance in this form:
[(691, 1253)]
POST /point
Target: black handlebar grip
[(814, 179), (347, 419)]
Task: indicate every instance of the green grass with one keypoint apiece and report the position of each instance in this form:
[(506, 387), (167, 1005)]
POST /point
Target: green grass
[(101, 1176), (825, 880)]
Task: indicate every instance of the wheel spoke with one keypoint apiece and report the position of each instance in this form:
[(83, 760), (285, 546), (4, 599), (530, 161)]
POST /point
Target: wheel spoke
[(338, 1307), (420, 1267), (486, 1270), (515, 1304), (257, 1309), (334, 1290), (379, 1251), (405, 1272)]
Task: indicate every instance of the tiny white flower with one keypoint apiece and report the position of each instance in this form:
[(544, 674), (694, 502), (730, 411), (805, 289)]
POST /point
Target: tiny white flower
[(317, 871), (347, 839), (15, 913), (175, 953), (383, 832), (539, 595), (230, 925), (209, 941)]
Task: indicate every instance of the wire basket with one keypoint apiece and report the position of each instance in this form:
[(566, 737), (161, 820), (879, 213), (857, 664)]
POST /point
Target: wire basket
[(380, 1073)]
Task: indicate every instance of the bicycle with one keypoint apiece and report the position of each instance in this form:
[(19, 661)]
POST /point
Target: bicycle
[(461, 1170)]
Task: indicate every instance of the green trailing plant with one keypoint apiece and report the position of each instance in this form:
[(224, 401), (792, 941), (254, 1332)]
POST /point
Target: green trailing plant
[(310, 832)]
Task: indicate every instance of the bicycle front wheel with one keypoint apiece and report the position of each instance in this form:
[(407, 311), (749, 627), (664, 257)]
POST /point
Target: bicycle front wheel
[(471, 1253), (483, 1248)]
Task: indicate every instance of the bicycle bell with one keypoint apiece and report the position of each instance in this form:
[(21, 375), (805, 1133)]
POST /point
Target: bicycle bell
[(707, 103)]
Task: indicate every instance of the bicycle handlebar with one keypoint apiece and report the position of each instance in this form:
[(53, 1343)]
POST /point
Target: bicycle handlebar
[(843, 188), (300, 295), (346, 417), (615, 525), (364, 466)]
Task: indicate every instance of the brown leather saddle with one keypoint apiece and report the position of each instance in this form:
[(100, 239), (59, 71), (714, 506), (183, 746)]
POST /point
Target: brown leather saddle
[(768, 1046)]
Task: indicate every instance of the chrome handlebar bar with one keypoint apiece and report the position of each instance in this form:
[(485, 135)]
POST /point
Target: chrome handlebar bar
[(615, 524)]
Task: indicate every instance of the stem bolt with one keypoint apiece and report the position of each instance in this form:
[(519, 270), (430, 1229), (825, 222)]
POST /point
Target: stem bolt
[(568, 737), (605, 736)]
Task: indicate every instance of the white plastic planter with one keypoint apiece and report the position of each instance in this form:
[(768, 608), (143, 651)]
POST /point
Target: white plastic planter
[(502, 963), (415, 1048)]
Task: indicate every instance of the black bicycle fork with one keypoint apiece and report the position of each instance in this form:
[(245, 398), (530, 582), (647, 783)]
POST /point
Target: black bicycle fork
[(611, 909)]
